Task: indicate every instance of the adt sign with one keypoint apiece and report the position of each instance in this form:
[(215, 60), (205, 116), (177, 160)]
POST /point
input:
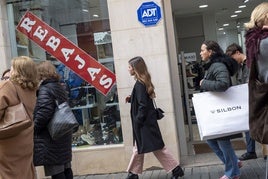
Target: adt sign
[(149, 13)]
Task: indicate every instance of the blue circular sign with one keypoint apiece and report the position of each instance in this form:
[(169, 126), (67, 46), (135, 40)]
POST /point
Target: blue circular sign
[(149, 13)]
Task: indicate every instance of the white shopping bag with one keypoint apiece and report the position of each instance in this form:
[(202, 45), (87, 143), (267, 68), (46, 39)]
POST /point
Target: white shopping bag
[(220, 114)]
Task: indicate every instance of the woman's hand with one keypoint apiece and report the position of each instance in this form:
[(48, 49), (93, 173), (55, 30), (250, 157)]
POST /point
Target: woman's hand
[(200, 82), (127, 100)]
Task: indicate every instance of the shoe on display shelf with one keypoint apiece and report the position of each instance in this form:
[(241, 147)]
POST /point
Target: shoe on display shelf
[(88, 138)]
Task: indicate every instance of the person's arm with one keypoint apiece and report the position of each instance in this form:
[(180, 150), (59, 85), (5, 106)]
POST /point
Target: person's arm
[(44, 110), (221, 81), (142, 98)]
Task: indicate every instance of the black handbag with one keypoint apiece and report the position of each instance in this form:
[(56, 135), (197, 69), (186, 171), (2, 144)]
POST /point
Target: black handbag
[(159, 111), (258, 111), (63, 121)]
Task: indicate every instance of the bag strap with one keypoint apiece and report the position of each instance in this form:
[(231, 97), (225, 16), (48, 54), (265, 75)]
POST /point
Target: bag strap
[(19, 97), (154, 104), (253, 71), (16, 91)]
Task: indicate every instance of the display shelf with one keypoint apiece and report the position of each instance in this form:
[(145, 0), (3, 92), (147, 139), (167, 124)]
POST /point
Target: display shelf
[(22, 50), (111, 104), (106, 60), (84, 107)]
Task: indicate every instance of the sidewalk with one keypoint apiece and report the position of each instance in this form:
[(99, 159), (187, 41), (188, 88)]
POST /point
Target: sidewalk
[(252, 169), (202, 166)]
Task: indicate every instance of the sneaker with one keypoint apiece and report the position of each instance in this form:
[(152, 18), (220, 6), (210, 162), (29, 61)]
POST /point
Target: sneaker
[(248, 156), (225, 177), (88, 138)]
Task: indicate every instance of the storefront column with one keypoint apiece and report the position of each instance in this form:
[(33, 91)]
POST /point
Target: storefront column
[(131, 38), (5, 50), (174, 73)]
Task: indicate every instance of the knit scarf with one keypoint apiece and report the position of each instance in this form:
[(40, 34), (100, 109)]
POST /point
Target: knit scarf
[(253, 39)]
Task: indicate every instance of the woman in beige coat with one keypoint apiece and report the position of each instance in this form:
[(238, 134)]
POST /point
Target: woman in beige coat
[(16, 153)]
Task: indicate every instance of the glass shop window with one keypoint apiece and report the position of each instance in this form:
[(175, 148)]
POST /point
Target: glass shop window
[(86, 24)]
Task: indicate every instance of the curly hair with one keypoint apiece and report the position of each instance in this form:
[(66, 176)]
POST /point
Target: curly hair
[(24, 72), (142, 74)]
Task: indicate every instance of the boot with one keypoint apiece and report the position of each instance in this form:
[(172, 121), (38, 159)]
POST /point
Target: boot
[(177, 172), (132, 176)]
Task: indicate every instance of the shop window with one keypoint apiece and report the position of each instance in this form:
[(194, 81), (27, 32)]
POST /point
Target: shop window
[(86, 24)]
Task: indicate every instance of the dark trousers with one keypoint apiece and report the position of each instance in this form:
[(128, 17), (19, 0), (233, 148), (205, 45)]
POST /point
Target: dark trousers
[(67, 174), (250, 143)]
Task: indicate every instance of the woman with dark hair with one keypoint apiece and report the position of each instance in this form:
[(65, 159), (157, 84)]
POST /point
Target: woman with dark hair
[(6, 74), (219, 69), (17, 152), (54, 155), (146, 133)]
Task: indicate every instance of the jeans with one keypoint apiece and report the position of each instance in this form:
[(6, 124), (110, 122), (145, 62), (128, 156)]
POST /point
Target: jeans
[(250, 143), (224, 150)]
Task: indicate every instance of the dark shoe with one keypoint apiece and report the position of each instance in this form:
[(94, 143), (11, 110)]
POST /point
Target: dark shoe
[(177, 172), (265, 157), (132, 176), (248, 156)]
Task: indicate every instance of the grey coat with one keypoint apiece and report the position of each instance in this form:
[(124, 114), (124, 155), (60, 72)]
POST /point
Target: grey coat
[(216, 78)]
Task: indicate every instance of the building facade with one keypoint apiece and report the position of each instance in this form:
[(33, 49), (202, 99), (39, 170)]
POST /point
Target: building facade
[(111, 33)]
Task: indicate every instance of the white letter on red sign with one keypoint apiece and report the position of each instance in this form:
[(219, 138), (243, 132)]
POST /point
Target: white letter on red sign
[(40, 33), (92, 72), (82, 62), (27, 24), (66, 53), (53, 42), (106, 82)]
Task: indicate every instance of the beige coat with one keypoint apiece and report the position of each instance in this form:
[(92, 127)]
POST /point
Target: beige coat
[(16, 153)]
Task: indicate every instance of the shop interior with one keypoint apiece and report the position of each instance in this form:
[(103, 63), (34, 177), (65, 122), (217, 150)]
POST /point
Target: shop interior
[(86, 24), (194, 22)]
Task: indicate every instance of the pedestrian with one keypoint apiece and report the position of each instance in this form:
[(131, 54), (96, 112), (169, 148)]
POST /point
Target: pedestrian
[(6, 74), (146, 133), (256, 47), (54, 155), (236, 52), (16, 152), (219, 69)]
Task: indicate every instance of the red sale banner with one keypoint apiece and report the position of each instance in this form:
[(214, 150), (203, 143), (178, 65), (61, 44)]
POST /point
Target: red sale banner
[(67, 52)]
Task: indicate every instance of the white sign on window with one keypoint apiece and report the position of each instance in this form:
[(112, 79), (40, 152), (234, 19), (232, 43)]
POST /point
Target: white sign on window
[(189, 57)]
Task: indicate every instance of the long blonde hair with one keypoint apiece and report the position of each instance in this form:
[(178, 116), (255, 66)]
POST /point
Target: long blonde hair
[(24, 72), (142, 74), (258, 16)]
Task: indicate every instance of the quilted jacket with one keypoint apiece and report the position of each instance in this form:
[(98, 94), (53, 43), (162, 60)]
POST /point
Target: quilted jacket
[(46, 150)]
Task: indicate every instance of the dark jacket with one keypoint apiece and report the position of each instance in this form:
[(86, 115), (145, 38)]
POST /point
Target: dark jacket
[(220, 68), (46, 150), (146, 132), (218, 77)]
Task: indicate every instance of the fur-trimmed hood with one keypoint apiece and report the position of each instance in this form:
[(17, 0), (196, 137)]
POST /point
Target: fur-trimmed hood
[(230, 63)]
